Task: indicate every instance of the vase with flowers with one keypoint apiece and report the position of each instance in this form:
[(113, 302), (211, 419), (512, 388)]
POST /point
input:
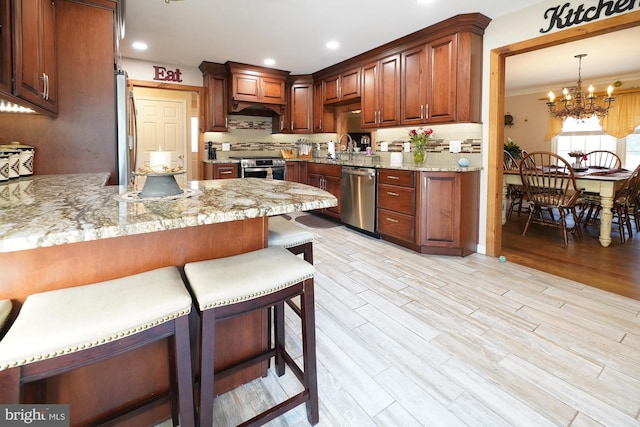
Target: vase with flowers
[(420, 138), (578, 157)]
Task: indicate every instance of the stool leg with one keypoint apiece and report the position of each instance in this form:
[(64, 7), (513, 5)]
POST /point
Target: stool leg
[(207, 350), (308, 252), (182, 352), (279, 338), (309, 350)]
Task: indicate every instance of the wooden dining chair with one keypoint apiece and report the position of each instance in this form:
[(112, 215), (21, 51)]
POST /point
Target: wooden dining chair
[(625, 204), (550, 185), (515, 193), (603, 159)]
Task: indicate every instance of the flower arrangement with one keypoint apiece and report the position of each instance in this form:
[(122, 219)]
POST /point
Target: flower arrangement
[(578, 155), (420, 138), (513, 149)]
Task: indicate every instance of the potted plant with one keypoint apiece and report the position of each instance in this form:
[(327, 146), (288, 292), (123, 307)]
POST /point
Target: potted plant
[(513, 149)]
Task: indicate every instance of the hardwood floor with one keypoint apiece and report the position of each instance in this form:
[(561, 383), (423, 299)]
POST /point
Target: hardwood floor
[(613, 269), (405, 339)]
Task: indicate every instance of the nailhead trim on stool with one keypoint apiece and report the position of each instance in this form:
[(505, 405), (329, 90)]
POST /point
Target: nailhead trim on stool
[(258, 280), (61, 330)]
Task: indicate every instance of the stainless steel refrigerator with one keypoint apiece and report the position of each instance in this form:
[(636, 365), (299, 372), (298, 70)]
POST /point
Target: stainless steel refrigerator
[(125, 129)]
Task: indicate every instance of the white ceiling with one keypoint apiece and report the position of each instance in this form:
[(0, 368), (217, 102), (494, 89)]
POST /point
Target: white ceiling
[(294, 33)]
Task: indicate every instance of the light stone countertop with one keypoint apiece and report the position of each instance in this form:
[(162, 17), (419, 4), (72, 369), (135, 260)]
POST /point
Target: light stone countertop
[(49, 210)]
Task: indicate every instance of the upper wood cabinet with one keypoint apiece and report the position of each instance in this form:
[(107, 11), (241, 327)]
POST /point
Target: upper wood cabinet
[(5, 47), (256, 85), (323, 116), (380, 93), (300, 105), (34, 57), (217, 98), (341, 87), (442, 60), (413, 86)]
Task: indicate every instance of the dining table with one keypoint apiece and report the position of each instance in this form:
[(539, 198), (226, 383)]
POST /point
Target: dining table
[(604, 182)]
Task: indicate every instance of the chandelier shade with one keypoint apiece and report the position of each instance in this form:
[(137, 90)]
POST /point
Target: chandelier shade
[(580, 105)]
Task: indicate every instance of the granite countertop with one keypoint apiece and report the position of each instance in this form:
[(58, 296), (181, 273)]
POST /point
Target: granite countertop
[(48, 210)]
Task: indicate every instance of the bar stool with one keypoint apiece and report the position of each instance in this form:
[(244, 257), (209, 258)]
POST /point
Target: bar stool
[(61, 330), (258, 280), (5, 311), (287, 235)]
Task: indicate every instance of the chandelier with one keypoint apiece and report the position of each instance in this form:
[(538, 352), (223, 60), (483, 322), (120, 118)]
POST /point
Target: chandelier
[(580, 105)]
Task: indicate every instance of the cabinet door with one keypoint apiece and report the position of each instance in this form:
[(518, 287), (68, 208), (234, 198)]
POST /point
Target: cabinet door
[(369, 98), (217, 103), (315, 180), (413, 84), (350, 84), (380, 93), (441, 80), (5, 47), (293, 172), (439, 210), (272, 90), (333, 185), (301, 107), (34, 55), (246, 87), (331, 89), (389, 95)]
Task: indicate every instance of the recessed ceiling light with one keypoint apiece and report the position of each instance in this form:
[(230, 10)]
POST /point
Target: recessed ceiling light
[(139, 45), (333, 45), (424, 1), (269, 61)]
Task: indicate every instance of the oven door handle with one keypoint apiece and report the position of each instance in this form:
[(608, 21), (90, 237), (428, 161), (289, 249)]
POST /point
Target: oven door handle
[(257, 169)]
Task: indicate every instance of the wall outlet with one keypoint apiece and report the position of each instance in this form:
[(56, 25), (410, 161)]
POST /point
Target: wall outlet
[(455, 146), (226, 146), (384, 146)]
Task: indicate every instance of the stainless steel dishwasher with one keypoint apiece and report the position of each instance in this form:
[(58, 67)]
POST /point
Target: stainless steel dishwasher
[(358, 204)]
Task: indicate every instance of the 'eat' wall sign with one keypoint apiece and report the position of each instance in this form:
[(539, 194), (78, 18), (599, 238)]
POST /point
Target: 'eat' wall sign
[(162, 74)]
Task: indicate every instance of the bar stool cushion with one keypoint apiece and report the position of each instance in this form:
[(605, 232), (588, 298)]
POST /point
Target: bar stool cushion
[(96, 313), (5, 310), (284, 233), (220, 282)]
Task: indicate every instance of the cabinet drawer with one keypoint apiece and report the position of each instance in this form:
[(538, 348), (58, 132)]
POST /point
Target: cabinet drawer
[(396, 177), (396, 225), (395, 198)]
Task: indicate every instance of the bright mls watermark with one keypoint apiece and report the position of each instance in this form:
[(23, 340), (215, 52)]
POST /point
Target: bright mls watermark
[(34, 415)]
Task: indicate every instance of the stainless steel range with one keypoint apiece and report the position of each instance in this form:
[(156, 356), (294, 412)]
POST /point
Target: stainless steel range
[(258, 166)]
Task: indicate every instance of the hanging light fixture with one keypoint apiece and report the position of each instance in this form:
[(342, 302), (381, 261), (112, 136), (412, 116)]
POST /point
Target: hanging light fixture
[(580, 105)]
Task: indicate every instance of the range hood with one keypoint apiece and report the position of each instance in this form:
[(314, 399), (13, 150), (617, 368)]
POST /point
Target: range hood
[(256, 109)]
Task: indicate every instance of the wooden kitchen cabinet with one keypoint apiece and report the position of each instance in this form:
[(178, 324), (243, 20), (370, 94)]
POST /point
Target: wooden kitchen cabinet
[(34, 57), (413, 86), (448, 204), (323, 115), (220, 170), (344, 86), (442, 60), (297, 172), (256, 85), (5, 47), (300, 105), (397, 206), (380, 93), (217, 96), (328, 178)]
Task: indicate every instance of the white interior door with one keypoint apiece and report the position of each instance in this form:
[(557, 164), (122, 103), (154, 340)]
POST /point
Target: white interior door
[(161, 127)]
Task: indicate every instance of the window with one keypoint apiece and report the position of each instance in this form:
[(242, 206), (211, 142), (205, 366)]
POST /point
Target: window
[(587, 135)]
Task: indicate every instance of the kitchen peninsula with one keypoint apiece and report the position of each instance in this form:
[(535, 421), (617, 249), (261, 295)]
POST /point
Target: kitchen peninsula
[(66, 230)]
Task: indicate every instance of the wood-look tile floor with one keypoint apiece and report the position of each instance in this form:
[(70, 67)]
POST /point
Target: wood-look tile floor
[(405, 339)]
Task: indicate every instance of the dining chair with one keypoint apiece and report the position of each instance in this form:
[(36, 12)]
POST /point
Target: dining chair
[(603, 159), (625, 204), (515, 193), (550, 184)]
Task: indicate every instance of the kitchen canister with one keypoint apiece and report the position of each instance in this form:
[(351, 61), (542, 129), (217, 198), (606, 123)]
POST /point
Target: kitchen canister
[(14, 161), (26, 154)]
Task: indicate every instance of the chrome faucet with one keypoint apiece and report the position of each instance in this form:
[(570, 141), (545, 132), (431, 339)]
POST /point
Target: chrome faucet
[(350, 142)]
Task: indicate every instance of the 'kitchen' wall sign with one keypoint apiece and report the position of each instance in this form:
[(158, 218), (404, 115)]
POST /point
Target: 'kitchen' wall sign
[(564, 16)]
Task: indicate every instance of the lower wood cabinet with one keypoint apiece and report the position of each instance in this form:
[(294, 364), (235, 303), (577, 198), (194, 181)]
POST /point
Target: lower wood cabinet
[(220, 170), (328, 178), (429, 212), (448, 204)]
